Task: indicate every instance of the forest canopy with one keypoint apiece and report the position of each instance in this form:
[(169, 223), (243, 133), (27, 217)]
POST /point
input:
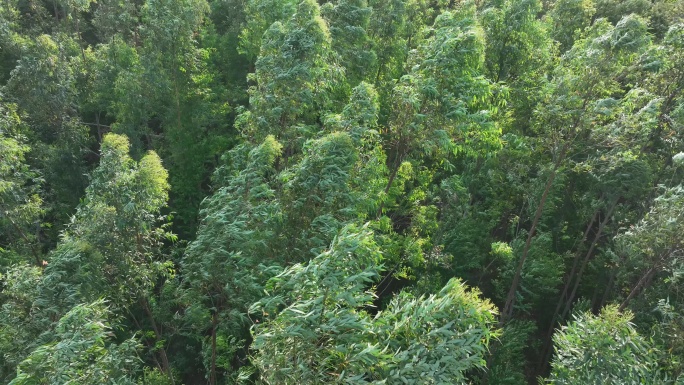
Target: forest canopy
[(485, 192)]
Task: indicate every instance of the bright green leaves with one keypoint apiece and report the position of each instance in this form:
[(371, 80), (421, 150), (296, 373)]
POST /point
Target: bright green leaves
[(317, 328), (19, 324), (135, 190), (569, 18), (260, 15), (438, 338), (81, 352), (109, 248), (348, 22), (437, 112), (293, 72), (435, 108), (20, 203), (321, 334), (603, 349)]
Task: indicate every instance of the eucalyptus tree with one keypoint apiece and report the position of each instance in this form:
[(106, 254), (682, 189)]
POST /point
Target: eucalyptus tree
[(109, 247), (436, 112), (653, 247), (519, 55), (386, 30), (620, 181), (668, 83), (316, 324), (294, 76), (112, 19), (260, 15), (43, 85), (571, 109), (118, 99), (20, 325), (225, 267), (174, 68), (260, 218), (338, 180), (517, 41), (20, 201), (348, 22), (569, 19), (81, 352), (438, 108), (645, 278), (603, 349)]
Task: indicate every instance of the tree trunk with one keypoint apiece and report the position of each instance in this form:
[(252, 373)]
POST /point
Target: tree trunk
[(166, 367), (561, 299), (510, 298), (587, 256), (212, 373), (568, 302), (642, 283), (387, 188)]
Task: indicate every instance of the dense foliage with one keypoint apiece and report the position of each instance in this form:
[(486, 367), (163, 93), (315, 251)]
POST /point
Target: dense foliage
[(344, 191)]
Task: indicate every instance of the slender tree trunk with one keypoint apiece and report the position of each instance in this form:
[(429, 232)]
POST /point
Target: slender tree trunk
[(609, 288), (212, 373), (387, 188), (568, 302), (34, 250), (510, 298), (398, 159), (587, 256), (166, 367), (641, 284), (561, 299)]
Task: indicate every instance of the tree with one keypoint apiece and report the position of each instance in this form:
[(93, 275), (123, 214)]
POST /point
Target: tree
[(226, 266), (318, 198), (293, 74), (109, 247), (348, 22), (603, 349), (20, 325), (435, 109), (315, 325), (569, 18), (260, 15), (519, 54), (43, 86), (20, 202), (81, 352), (570, 108), (187, 113), (654, 245)]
